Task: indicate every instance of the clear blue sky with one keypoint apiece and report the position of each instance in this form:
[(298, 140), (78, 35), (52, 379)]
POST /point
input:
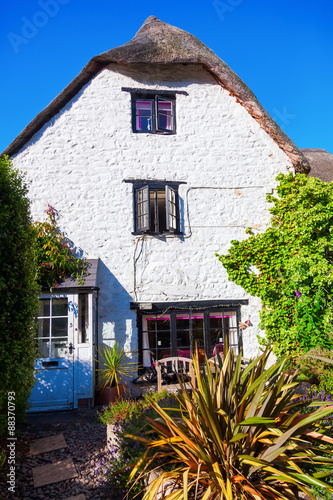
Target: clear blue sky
[(282, 49)]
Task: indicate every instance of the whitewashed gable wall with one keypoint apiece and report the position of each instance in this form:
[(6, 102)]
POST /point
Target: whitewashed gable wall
[(77, 163)]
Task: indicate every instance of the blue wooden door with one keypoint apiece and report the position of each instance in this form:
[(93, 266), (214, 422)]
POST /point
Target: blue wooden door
[(55, 365)]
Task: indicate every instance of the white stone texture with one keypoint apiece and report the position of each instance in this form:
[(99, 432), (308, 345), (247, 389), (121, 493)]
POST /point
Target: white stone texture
[(77, 163)]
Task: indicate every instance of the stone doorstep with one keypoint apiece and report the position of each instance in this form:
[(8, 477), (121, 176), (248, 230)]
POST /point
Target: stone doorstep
[(53, 473), (50, 443)]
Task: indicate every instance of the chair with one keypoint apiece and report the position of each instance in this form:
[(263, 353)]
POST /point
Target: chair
[(178, 365), (214, 362)]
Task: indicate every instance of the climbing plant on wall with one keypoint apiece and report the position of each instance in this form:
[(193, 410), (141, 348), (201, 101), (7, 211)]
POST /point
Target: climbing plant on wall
[(56, 257), (290, 265)]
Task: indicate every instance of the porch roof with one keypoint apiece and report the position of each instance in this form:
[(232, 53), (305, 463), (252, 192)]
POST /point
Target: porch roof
[(90, 281)]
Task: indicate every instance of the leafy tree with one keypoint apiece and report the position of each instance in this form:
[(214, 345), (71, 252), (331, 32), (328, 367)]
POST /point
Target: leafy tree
[(56, 257), (289, 266), (18, 291)]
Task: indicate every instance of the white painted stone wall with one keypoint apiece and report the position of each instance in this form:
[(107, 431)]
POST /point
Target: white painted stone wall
[(77, 164)]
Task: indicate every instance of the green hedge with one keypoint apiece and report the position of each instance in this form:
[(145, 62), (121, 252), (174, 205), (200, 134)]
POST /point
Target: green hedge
[(18, 292)]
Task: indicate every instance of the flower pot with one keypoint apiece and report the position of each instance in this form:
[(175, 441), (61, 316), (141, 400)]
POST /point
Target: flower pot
[(107, 395)]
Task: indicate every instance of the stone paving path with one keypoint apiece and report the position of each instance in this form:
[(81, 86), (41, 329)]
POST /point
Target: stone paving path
[(43, 453)]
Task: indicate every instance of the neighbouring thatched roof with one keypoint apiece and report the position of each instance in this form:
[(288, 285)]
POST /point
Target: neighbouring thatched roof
[(160, 43), (321, 163)]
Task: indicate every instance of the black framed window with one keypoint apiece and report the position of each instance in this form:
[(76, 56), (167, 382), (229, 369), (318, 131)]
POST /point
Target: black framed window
[(153, 113), (180, 331), (156, 208)]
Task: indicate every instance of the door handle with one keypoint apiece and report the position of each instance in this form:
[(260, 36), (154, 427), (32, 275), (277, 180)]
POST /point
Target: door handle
[(70, 348)]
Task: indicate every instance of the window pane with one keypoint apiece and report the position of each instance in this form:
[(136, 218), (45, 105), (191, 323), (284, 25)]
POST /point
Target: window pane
[(161, 211), (43, 348), (59, 307), (59, 348), (142, 209), (59, 327), (44, 307), (83, 318), (44, 327), (164, 115), (144, 115), (171, 209), (152, 196), (159, 336)]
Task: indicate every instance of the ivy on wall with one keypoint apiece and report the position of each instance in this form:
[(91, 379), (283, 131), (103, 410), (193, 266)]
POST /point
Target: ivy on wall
[(56, 257), (290, 265)]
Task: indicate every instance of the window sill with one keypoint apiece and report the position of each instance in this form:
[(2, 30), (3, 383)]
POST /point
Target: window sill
[(152, 132), (165, 233)]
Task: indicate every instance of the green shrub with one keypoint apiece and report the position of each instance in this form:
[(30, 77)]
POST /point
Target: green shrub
[(317, 365), (239, 436), (325, 426), (289, 265), (122, 411), (18, 292), (119, 411), (129, 417)]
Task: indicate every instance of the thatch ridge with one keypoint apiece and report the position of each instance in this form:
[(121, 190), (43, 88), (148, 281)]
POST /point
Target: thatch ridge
[(157, 42)]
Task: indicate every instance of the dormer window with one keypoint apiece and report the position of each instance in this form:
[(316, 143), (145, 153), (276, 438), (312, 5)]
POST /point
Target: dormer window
[(153, 114)]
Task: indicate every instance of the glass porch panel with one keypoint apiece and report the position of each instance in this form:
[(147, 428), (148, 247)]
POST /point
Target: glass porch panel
[(144, 115), (164, 115), (60, 306), (159, 337), (59, 327), (44, 307), (223, 324), (184, 343), (43, 348), (59, 348)]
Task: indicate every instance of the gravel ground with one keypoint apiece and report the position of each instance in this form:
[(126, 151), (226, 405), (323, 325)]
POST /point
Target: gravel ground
[(86, 440)]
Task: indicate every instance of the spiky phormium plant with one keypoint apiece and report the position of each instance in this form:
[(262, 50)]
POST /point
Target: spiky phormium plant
[(239, 435)]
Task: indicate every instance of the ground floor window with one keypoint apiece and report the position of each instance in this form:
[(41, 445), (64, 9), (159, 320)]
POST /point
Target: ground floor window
[(176, 333)]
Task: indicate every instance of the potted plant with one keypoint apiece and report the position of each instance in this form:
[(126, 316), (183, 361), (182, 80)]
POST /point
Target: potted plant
[(115, 367)]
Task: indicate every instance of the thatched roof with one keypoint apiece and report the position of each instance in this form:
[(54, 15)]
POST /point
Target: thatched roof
[(160, 43), (321, 163)]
